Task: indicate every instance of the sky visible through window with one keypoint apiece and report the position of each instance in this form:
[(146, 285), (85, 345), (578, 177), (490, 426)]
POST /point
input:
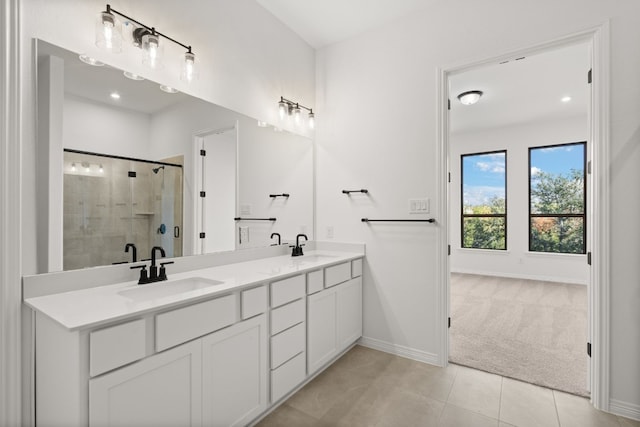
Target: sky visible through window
[(557, 160), (484, 178)]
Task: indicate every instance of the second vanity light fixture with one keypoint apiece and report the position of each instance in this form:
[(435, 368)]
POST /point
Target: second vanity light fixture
[(109, 37), (290, 108)]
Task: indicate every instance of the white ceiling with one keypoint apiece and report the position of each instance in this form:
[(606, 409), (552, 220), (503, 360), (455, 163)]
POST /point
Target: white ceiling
[(323, 22), (525, 90), (520, 91)]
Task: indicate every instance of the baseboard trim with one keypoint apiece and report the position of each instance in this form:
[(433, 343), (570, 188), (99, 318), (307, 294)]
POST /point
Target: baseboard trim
[(624, 409), (400, 350), (521, 276)]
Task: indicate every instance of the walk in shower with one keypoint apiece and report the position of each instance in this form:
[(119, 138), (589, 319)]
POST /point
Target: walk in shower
[(111, 201)]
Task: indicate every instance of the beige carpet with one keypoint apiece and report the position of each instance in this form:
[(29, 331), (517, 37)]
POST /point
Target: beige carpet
[(529, 330)]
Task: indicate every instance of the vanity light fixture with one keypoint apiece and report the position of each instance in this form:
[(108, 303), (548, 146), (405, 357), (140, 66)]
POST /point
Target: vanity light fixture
[(290, 108), (101, 169), (470, 97), (109, 37), (73, 167)]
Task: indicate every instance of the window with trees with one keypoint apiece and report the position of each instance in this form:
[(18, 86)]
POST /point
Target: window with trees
[(484, 200), (557, 198)]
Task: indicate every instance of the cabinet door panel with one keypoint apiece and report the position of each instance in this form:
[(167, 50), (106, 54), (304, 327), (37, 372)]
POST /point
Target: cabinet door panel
[(235, 373), (162, 390), (349, 312), (321, 338)]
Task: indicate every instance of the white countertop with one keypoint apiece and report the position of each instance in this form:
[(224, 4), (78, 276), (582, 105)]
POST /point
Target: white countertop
[(95, 306)]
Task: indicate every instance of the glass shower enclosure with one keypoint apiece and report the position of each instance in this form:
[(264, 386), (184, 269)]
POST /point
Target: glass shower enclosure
[(111, 201)]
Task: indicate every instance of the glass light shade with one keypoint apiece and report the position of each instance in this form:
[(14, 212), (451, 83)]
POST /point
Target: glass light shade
[(296, 114), (312, 120), (470, 97), (108, 32), (282, 109), (189, 70), (152, 51)]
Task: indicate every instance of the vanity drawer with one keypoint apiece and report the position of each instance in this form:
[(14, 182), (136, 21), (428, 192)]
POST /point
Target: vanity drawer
[(254, 302), (116, 346), (356, 267), (184, 324), (315, 281), (287, 290), (287, 344), (288, 315), (337, 274), (287, 377)]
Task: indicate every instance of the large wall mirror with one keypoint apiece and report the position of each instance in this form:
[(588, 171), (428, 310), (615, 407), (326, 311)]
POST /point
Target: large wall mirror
[(124, 162)]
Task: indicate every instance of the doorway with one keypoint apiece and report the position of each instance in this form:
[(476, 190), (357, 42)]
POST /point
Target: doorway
[(597, 40), (216, 154)]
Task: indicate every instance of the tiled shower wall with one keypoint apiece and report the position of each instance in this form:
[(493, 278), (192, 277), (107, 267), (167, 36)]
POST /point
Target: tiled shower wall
[(105, 210)]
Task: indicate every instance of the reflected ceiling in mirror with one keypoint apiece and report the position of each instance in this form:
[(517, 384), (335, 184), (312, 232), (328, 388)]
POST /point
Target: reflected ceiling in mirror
[(102, 111)]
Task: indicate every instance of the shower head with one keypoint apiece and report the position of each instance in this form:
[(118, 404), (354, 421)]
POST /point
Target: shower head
[(156, 170)]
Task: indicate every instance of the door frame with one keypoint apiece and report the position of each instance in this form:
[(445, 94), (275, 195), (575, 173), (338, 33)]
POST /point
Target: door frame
[(197, 177), (599, 306)]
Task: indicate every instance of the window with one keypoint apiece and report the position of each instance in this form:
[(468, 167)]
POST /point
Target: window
[(484, 200), (557, 198)]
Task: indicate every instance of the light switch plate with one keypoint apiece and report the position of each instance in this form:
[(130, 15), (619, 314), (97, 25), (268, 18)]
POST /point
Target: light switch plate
[(244, 235), (419, 206)]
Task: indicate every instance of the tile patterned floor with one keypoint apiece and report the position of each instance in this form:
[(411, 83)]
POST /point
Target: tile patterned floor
[(371, 388)]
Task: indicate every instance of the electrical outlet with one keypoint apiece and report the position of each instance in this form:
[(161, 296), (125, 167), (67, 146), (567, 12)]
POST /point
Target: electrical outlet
[(330, 232), (244, 235)]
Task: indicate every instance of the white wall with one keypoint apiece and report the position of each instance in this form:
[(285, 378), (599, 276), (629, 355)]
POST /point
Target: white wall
[(377, 97), (516, 261), (126, 132)]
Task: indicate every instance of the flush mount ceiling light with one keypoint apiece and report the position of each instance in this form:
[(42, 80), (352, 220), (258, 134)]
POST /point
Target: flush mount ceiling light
[(470, 97), (290, 108), (109, 37)]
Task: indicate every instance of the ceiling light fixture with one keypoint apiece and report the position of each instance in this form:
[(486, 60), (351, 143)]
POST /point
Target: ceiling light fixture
[(290, 108), (132, 76), (109, 37), (470, 97), (565, 99), (168, 89), (91, 61)]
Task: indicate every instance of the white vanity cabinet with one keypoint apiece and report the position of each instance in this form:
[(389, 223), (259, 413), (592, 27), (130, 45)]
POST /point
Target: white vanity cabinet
[(334, 315), (162, 390), (219, 360)]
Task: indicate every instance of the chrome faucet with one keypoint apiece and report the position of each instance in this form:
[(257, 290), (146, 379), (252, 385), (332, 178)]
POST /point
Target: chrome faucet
[(297, 249)]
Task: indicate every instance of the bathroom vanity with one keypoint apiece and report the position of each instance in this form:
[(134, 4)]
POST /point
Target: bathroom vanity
[(214, 346)]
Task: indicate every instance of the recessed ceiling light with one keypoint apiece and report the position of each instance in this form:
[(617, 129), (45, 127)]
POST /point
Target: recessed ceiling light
[(115, 95), (132, 76), (470, 97), (565, 99), (91, 61), (168, 89)]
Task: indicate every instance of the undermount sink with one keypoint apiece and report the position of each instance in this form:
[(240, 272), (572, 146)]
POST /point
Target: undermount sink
[(163, 289)]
